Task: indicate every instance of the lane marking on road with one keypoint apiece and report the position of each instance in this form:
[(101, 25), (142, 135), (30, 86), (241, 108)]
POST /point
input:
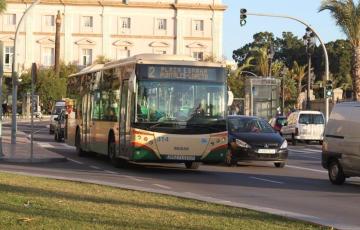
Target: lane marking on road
[(316, 158), (271, 181), (314, 150), (111, 172), (75, 161), (307, 169), (162, 186), (94, 167), (134, 178)]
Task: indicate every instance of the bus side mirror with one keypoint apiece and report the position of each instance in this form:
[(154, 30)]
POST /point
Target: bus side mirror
[(230, 98)]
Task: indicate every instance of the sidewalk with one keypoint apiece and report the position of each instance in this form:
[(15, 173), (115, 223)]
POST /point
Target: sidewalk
[(20, 153)]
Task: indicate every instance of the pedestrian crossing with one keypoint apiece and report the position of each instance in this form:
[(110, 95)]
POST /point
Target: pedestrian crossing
[(55, 145)]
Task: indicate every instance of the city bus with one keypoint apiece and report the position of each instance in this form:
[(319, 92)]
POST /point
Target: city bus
[(150, 108)]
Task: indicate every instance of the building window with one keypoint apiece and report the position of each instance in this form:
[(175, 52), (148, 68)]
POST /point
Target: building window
[(48, 56), (161, 24), (86, 57), (199, 56), (8, 55), (10, 19), (49, 20), (87, 21), (199, 25), (125, 23)]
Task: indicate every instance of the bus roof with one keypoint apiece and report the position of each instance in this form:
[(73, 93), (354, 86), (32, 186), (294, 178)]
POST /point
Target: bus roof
[(160, 59)]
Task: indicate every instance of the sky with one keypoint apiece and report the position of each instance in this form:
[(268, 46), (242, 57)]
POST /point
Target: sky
[(235, 36)]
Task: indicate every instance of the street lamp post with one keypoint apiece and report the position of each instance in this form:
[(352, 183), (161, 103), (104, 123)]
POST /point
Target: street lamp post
[(283, 73), (309, 41), (14, 75), (244, 13)]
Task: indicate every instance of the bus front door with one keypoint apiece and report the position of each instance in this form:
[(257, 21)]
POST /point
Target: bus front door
[(124, 120), (86, 122)]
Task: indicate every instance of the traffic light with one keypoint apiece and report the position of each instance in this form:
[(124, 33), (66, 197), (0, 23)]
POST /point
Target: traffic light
[(243, 16), (329, 89)]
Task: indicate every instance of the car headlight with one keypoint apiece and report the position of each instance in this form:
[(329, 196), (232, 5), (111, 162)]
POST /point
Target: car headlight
[(284, 145), (242, 144)]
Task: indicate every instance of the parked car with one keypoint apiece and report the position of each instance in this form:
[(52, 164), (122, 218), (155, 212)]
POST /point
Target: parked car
[(253, 139), (278, 122), (58, 107), (59, 128), (304, 126), (341, 147)]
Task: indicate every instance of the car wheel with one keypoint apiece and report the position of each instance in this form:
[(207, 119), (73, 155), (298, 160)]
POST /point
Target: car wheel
[(192, 165), (279, 164), (336, 173), (293, 140), (79, 151)]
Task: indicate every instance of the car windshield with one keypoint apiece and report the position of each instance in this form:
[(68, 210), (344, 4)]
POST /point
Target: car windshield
[(249, 125), (180, 102), (311, 119)]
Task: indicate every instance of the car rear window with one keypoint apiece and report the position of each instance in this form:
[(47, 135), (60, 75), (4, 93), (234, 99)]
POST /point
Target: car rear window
[(315, 119), (281, 121), (249, 124)]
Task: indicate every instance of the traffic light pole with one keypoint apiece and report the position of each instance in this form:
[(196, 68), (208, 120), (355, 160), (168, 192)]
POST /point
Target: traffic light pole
[(244, 12)]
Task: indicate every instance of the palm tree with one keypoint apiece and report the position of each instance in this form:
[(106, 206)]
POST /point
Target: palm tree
[(297, 73), (2, 6), (347, 16), (261, 57)]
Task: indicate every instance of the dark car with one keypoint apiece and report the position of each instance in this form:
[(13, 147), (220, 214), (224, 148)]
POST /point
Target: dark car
[(253, 139), (278, 122), (59, 126)]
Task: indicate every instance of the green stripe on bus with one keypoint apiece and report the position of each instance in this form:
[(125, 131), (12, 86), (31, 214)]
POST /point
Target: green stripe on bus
[(141, 154), (216, 156)]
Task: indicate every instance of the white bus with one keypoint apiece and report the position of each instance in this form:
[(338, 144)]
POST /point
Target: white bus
[(150, 108)]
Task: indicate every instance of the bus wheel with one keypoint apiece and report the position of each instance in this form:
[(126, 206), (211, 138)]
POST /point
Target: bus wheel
[(79, 151), (192, 165), (117, 162)]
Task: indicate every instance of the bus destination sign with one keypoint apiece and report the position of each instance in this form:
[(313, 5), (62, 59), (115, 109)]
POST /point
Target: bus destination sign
[(182, 73)]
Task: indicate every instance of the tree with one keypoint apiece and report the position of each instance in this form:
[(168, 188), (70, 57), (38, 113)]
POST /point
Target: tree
[(2, 6), (297, 73), (48, 86), (347, 16), (236, 82)]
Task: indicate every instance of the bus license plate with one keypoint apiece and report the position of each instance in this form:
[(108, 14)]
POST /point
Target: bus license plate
[(180, 158), (267, 151)]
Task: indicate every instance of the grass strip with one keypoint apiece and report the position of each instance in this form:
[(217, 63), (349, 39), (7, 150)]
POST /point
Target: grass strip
[(39, 203)]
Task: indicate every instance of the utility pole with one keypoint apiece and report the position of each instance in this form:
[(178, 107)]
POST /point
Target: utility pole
[(309, 41), (57, 44)]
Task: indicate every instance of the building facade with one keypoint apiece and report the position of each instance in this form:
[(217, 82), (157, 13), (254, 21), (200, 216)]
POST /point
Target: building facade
[(114, 29)]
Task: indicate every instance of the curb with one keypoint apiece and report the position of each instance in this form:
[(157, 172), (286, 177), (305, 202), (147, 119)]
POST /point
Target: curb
[(34, 160)]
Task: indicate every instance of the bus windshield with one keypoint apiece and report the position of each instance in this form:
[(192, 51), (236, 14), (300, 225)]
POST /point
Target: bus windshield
[(188, 102)]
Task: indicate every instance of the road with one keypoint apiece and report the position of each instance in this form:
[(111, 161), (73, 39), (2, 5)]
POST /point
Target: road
[(301, 188)]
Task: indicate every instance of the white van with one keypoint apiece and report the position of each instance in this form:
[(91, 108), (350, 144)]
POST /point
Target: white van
[(304, 126), (56, 110), (341, 147)]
